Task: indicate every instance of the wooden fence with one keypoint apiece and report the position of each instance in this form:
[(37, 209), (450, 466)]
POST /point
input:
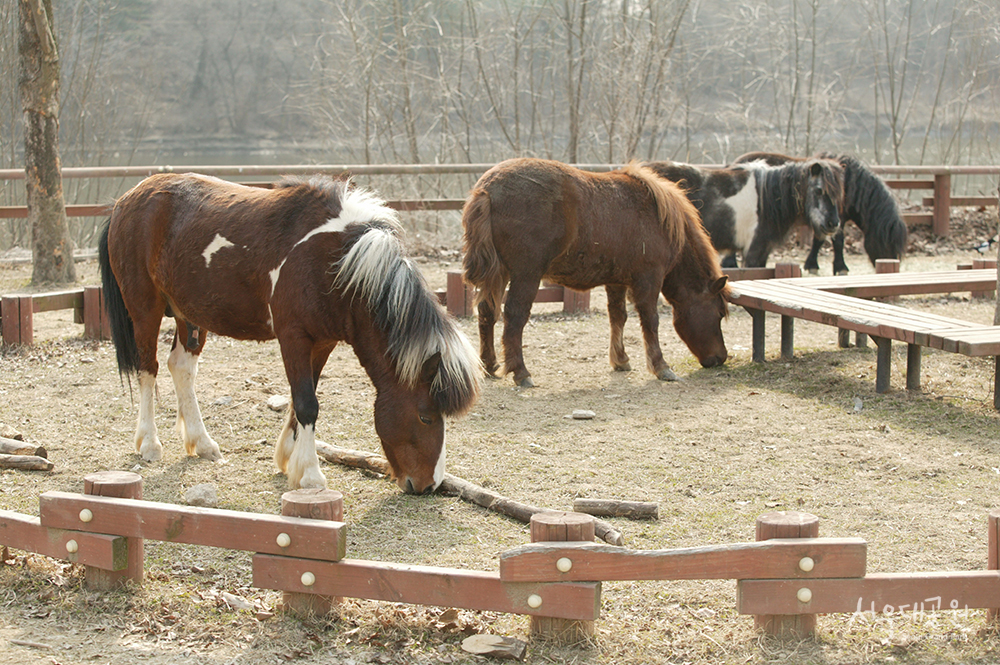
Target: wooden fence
[(937, 179), (784, 579)]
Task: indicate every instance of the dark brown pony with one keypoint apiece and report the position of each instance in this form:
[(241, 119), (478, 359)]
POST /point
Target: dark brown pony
[(635, 233), (311, 263)]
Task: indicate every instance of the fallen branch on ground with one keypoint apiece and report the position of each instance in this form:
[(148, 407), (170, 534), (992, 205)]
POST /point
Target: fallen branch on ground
[(15, 447), (463, 489), (25, 462), (636, 510)]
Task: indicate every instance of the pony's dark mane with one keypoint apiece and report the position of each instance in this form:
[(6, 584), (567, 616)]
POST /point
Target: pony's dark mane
[(867, 198), (783, 187), (404, 308)]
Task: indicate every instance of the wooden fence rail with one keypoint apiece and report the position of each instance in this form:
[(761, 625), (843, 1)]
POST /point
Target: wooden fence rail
[(939, 183), (784, 579)]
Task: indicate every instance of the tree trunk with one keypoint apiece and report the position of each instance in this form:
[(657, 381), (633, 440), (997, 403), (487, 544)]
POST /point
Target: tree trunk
[(52, 249)]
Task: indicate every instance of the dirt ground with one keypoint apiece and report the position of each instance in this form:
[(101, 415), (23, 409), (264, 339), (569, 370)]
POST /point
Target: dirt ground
[(914, 474)]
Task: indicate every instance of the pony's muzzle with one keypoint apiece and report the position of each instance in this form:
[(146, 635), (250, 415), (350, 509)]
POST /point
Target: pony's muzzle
[(408, 487), (715, 360)]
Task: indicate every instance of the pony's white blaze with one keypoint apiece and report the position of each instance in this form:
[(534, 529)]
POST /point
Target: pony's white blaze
[(183, 366), (744, 206), (218, 242), (146, 441), (439, 467), (303, 465)]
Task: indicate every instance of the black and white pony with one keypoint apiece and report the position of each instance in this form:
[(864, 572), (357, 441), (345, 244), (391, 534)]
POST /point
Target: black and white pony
[(751, 207), (867, 202)]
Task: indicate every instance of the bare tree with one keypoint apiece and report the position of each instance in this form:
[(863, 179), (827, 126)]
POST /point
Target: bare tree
[(52, 250)]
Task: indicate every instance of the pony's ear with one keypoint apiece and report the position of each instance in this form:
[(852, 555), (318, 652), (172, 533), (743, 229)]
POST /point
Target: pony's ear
[(719, 284), (430, 368)]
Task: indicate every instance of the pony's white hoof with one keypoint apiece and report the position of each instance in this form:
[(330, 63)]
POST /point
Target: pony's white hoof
[(311, 479), (209, 451), (667, 374), (150, 449)]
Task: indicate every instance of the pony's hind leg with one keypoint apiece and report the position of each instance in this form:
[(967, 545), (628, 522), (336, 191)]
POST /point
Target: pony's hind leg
[(617, 315), (147, 330), (516, 311), (646, 298), (183, 366), (487, 350), (147, 443)]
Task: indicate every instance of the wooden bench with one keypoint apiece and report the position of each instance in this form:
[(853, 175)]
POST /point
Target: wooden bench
[(17, 313), (884, 322), (979, 277)]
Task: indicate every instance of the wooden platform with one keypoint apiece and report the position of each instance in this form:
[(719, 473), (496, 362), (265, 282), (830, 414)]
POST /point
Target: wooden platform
[(983, 280), (884, 322)]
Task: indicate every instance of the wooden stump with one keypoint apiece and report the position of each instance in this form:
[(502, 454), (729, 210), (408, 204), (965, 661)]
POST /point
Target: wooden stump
[(318, 505), (119, 485), (993, 558), (787, 524), (550, 526)]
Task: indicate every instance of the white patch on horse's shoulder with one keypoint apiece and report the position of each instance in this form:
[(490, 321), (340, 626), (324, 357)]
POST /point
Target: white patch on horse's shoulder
[(274, 276), (744, 206), (218, 242)]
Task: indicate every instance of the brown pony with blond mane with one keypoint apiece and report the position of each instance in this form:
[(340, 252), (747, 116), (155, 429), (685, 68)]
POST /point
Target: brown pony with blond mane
[(636, 234)]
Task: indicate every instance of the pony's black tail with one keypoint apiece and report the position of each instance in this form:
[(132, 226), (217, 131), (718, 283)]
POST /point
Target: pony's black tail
[(122, 332)]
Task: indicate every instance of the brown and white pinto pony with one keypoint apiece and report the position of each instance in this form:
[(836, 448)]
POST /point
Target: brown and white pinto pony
[(533, 219), (311, 263)]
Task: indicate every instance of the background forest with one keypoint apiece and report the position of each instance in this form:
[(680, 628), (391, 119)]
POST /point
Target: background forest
[(441, 81)]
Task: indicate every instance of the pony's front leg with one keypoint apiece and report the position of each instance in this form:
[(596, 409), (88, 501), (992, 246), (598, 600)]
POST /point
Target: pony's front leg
[(487, 351), (183, 366), (812, 261), (147, 443), (839, 264), (645, 299), (617, 315), (302, 366), (517, 309)]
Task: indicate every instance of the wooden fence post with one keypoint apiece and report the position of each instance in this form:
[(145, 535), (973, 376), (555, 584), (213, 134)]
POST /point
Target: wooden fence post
[(993, 556), (575, 301), (119, 485), (318, 505), (458, 295), (95, 318), (982, 264), (942, 203), (550, 526), (17, 319), (787, 524)]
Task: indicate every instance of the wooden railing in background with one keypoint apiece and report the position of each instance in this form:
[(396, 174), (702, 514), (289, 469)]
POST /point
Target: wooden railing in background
[(939, 183)]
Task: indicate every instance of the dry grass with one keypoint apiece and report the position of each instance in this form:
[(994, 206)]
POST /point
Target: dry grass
[(912, 474)]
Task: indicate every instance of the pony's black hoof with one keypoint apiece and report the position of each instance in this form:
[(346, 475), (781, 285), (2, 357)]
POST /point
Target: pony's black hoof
[(526, 382), (623, 368)]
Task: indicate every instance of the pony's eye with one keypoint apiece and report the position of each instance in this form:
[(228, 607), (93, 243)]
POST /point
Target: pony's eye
[(425, 420)]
